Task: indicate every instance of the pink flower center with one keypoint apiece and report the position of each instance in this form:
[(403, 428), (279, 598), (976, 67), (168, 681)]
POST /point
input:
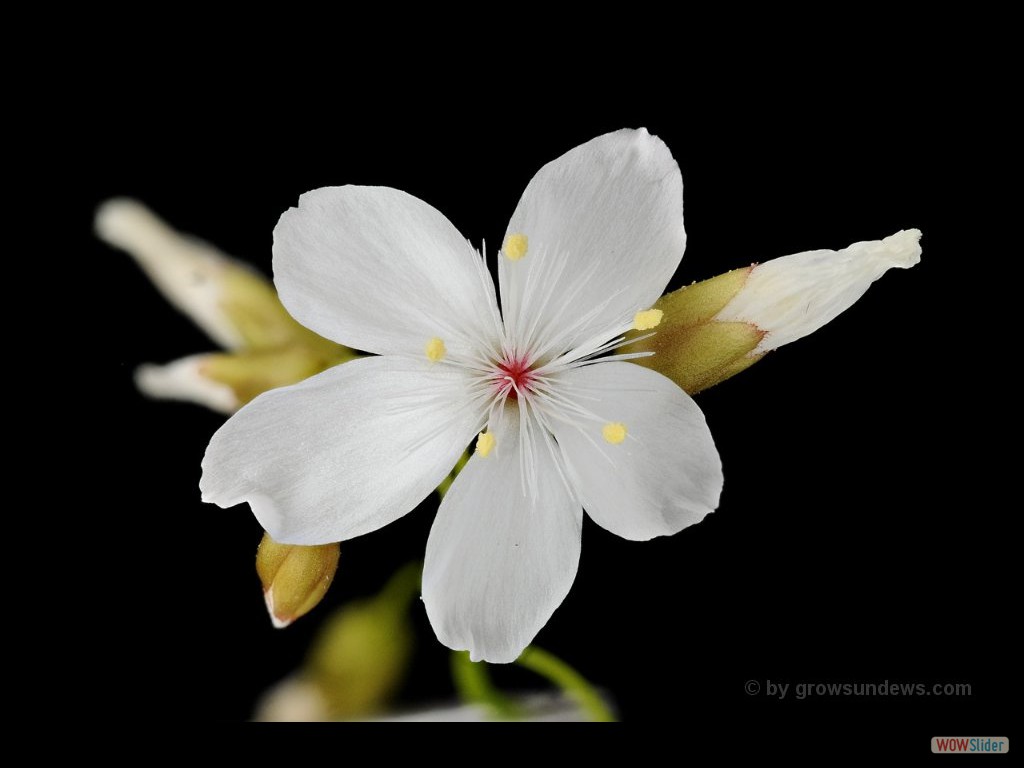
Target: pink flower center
[(514, 376)]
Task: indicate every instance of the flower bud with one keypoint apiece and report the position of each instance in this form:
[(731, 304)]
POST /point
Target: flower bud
[(295, 578), (791, 297), (714, 329), (690, 347), (189, 273), (361, 654), (237, 307)]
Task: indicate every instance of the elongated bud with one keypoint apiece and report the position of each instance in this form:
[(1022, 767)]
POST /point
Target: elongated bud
[(295, 578), (791, 297), (189, 273), (716, 328), (237, 307)]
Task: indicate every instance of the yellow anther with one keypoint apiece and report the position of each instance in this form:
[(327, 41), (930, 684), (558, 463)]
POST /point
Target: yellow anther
[(515, 246), (614, 432), (435, 350), (647, 319), (485, 444)]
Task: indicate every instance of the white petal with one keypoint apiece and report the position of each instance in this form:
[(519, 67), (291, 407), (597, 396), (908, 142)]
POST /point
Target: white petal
[(187, 271), (344, 452), (793, 296), (380, 270), (604, 226), (500, 560), (666, 474), (184, 380)]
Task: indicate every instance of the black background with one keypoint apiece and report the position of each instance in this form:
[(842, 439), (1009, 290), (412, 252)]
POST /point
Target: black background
[(860, 536)]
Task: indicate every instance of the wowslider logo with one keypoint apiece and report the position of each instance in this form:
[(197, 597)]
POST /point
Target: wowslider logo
[(967, 745)]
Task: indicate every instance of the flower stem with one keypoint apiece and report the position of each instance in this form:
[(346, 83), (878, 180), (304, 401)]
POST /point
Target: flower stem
[(442, 489), (569, 680), (474, 686)]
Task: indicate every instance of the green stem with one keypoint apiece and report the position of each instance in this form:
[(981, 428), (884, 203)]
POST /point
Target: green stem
[(442, 489), (474, 686), (569, 680)]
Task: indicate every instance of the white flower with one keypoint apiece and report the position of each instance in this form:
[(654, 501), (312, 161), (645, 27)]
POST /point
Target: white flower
[(591, 246)]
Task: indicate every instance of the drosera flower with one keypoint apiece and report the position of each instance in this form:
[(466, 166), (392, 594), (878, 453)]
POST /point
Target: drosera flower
[(564, 420), (562, 423)]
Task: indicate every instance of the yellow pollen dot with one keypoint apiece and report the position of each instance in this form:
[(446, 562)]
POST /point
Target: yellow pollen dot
[(435, 350), (515, 246), (614, 432), (649, 318), (485, 444)]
